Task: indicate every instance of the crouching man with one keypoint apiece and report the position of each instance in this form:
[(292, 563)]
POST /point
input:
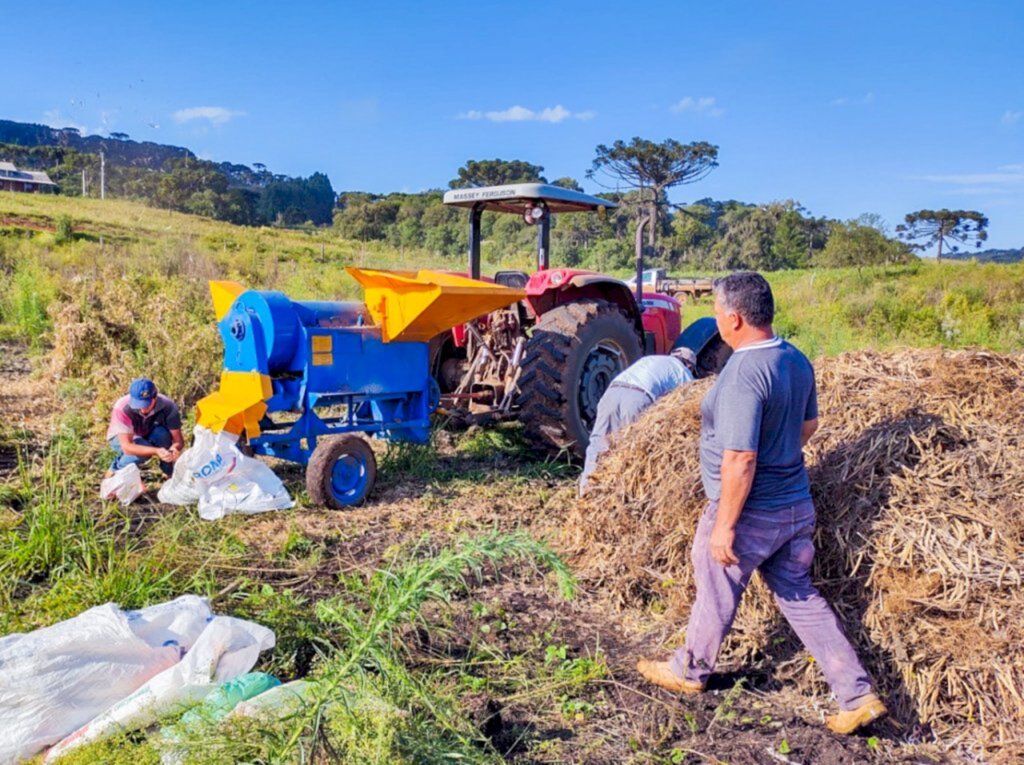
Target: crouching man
[(145, 424), (631, 392), (755, 422)]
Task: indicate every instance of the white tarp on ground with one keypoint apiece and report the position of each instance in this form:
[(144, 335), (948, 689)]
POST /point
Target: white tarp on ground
[(227, 648), (214, 473), (77, 675), (55, 679)]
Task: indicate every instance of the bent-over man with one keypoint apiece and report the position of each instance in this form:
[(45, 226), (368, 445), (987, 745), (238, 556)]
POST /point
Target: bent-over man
[(755, 422), (628, 396), (145, 424)]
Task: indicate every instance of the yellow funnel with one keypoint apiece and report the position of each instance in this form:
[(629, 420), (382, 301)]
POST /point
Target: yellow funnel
[(224, 294), (239, 404), (417, 305)]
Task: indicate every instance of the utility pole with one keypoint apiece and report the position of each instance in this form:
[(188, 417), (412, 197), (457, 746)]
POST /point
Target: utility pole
[(83, 182), (103, 176)]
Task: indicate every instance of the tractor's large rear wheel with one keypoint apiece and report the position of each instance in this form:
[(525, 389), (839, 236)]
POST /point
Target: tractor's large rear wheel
[(573, 354)]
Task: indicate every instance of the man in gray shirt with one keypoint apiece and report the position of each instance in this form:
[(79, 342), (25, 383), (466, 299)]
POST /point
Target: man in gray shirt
[(755, 422)]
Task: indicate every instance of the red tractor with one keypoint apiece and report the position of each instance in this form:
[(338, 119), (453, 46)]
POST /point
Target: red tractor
[(549, 358)]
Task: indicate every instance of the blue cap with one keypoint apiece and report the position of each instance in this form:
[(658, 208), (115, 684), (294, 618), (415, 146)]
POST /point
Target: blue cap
[(141, 393)]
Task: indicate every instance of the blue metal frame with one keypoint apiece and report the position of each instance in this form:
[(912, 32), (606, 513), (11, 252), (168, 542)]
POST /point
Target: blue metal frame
[(386, 388), (382, 415)]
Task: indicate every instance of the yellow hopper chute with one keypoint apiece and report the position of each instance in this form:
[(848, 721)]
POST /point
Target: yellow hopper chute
[(238, 406), (417, 305)]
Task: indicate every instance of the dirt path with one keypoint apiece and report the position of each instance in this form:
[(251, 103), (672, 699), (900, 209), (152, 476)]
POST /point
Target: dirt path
[(746, 718), (26, 408)]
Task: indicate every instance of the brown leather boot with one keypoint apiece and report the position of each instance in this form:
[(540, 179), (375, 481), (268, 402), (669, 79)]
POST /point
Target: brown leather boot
[(847, 722), (660, 673)]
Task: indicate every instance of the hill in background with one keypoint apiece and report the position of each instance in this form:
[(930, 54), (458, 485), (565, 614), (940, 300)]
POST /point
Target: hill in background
[(990, 256), (170, 177)]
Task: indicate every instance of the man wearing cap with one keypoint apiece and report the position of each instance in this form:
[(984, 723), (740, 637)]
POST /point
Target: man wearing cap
[(145, 424), (629, 395)]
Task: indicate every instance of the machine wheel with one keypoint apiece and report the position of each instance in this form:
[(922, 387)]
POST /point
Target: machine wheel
[(574, 353), (341, 472)]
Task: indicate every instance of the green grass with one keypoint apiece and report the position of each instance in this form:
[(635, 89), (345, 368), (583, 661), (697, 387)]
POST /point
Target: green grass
[(143, 288), (955, 305)]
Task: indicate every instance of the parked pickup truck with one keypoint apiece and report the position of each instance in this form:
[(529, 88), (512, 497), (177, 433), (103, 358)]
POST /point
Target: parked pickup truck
[(658, 280)]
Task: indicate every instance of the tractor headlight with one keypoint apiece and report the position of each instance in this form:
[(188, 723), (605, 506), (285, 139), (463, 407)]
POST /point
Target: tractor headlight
[(532, 215), (557, 277)]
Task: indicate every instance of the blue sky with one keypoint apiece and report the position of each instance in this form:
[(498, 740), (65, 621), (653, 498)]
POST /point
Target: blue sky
[(848, 108)]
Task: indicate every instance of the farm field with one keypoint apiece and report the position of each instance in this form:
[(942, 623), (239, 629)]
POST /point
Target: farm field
[(446, 620)]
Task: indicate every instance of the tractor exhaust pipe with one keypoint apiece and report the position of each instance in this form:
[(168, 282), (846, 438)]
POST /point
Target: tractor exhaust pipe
[(644, 220)]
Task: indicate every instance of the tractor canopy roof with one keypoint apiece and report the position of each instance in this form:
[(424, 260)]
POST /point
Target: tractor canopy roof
[(515, 197)]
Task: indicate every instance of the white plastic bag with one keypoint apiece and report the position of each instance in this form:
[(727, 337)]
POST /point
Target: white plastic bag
[(214, 472), (125, 485), (180, 488), (227, 648), (56, 678)]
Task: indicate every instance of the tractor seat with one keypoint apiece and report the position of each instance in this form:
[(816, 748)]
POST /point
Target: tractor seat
[(514, 279)]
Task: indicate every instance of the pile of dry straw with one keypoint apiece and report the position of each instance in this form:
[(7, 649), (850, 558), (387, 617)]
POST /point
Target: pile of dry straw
[(918, 477)]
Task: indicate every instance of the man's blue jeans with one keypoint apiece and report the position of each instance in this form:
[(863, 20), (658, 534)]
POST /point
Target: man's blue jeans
[(159, 437)]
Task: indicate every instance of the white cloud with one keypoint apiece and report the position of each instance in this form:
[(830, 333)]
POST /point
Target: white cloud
[(702, 105), (979, 191), (867, 98), (1011, 118), (976, 179), (553, 114), (1009, 179), (216, 115), (108, 119)]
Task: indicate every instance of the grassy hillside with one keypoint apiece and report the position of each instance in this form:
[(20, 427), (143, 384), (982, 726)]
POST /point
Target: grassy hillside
[(823, 311), (828, 311)]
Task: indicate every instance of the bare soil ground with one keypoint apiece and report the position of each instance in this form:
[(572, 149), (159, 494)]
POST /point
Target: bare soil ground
[(518, 618), (26, 406)]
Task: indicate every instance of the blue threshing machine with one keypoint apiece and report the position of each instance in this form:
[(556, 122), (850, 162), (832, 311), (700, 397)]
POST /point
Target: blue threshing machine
[(342, 369)]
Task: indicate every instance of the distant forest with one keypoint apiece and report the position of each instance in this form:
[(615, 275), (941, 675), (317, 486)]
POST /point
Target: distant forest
[(704, 235), (170, 177)]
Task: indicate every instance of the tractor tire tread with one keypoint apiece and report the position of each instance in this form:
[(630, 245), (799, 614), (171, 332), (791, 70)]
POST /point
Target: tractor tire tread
[(545, 409)]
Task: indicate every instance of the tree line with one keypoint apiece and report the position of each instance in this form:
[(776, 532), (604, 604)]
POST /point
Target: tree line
[(707, 234)]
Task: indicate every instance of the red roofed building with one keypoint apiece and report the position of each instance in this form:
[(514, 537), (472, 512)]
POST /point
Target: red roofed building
[(28, 181)]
